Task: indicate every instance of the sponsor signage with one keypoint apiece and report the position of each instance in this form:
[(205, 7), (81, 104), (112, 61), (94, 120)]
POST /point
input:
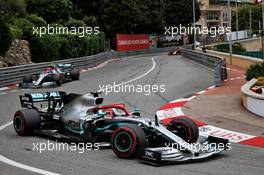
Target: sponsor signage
[(131, 42), (232, 136), (168, 41)]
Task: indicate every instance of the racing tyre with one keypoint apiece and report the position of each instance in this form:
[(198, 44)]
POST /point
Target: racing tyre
[(259, 91), (26, 121), (57, 80), (75, 74), (128, 141), (27, 79), (185, 128)]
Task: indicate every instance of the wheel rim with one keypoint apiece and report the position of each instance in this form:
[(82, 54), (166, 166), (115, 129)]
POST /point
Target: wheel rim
[(18, 123), (180, 130), (123, 141)]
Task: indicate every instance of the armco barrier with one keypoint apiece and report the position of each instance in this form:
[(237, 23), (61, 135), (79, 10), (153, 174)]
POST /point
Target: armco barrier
[(215, 63), (13, 75)]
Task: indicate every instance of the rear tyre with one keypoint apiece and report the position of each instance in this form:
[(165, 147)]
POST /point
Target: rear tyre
[(27, 79), (26, 121), (75, 74), (128, 141), (185, 128)]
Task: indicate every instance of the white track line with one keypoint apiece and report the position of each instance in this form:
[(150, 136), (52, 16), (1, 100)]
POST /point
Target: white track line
[(20, 165), (25, 167), (5, 125), (4, 88), (40, 171), (134, 79), (143, 75)]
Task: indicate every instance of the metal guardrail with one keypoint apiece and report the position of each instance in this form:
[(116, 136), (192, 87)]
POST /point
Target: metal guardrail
[(15, 74), (12, 75), (217, 64)]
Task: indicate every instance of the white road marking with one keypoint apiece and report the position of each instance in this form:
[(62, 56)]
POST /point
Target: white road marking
[(134, 79), (5, 125), (20, 165), (4, 88), (40, 171), (25, 167), (143, 75)]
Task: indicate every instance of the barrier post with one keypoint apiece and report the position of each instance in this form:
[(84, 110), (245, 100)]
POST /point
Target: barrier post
[(217, 75)]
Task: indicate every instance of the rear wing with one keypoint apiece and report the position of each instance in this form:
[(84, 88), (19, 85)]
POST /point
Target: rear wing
[(28, 100), (64, 67)]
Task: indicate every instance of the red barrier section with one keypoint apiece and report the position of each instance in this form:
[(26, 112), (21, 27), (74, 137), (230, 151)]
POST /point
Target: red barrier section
[(129, 42)]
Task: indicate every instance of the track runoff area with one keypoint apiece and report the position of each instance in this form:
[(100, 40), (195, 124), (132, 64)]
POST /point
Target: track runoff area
[(180, 77)]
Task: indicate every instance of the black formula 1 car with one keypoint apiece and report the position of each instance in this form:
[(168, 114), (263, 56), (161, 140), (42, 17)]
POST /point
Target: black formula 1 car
[(82, 118), (54, 75), (176, 51)]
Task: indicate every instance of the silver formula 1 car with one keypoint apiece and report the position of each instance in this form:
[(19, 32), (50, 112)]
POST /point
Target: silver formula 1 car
[(54, 75), (82, 118)]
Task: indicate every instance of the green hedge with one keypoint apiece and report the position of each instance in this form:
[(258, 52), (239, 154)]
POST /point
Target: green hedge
[(22, 28), (236, 47), (36, 20), (45, 48), (56, 47), (255, 71), (53, 47)]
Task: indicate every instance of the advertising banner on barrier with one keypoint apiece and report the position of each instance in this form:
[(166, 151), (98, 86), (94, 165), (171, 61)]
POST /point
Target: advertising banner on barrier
[(168, 41), (130, 42)]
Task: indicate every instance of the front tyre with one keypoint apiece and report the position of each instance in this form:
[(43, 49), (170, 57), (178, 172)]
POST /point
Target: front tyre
[(185, 128), (26, 121), (27, 79), (128, 141), (57, 79), (75, 74)]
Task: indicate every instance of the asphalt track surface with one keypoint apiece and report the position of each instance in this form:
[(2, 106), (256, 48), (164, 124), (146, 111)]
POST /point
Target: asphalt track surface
[(181, 77)]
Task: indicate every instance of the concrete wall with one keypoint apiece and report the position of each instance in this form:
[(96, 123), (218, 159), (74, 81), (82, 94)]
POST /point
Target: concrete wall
[(243, 62), (252, 44), (252, 101)]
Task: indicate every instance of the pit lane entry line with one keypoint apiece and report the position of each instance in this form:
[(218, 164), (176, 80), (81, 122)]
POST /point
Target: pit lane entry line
[(40, 171)]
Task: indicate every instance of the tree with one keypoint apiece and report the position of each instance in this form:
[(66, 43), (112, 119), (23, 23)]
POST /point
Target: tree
[(9, 9), (50, 10), (12, 8), (180, 12), (5, 38), (136, 16), (132, 16), (243, 18), (87, 8)]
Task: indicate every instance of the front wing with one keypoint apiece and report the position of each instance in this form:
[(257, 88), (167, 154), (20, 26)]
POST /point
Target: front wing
[(169, 155)]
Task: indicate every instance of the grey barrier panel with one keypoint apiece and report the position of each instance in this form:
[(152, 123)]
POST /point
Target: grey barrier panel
[(217, 64), (12, 75), (15, 74)]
